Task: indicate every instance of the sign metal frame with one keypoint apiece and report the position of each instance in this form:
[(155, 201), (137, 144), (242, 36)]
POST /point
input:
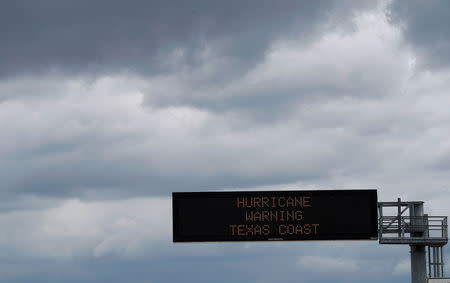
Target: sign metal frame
[(348, 214)]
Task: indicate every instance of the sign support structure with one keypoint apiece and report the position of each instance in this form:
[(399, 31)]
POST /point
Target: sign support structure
[(418, 230)]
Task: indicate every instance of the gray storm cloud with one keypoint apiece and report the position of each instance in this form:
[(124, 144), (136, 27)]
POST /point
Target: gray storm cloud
[(427, 28), (109, 36)]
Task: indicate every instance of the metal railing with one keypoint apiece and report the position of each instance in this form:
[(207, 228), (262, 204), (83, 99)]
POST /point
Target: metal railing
[(415, 228)]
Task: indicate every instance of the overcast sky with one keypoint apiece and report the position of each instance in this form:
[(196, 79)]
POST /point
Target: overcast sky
[(106, 107)]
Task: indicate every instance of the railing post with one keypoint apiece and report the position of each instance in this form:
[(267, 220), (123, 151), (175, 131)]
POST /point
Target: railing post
[(399, 213), (429, 261)]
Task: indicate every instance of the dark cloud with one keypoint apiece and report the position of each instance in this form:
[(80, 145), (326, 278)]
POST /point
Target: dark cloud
[(110, 36), (427, 27)]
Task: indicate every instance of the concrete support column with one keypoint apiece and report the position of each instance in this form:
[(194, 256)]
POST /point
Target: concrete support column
[(418, 264)]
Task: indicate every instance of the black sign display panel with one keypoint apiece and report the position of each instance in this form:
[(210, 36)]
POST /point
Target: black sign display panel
[(274, 215)]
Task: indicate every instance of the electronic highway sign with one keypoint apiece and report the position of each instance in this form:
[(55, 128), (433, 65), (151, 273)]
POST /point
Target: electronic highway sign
[(274, 215)]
